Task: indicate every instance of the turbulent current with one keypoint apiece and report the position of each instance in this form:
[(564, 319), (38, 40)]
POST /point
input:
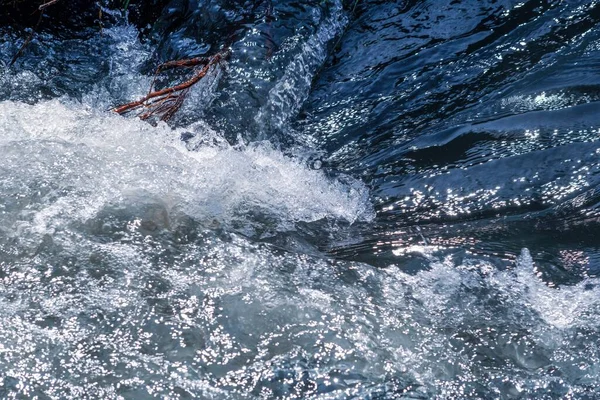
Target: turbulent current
[(369, 200)]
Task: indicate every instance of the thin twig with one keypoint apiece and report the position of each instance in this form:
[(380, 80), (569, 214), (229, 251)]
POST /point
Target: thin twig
[(191, 62), (42, 7), (26, 42)]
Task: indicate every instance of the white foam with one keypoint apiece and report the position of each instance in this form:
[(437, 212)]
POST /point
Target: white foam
[(561, 307), (86, 159), (520, 289)]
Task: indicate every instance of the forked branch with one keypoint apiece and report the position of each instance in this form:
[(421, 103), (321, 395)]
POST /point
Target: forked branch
[(165, 102)]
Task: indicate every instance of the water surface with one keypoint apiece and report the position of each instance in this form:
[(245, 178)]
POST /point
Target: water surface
[(380, 200)]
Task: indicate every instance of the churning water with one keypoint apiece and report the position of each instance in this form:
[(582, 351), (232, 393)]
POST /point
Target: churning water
[(392, 199)]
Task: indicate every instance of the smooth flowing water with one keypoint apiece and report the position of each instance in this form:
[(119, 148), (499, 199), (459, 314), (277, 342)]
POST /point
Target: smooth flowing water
[(374, 200)]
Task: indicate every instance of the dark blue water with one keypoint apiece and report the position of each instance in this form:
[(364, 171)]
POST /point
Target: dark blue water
[(370, 200)]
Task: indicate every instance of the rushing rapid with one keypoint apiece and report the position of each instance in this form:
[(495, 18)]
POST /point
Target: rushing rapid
[(370, 199)]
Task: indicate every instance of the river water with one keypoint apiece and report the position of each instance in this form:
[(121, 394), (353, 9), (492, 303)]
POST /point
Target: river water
[(375, 200)]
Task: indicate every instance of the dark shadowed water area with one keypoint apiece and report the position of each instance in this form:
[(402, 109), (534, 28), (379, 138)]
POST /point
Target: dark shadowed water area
[(366, 200)]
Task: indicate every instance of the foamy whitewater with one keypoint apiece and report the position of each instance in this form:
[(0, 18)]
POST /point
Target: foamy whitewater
[(126, 273), (76, 161)]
